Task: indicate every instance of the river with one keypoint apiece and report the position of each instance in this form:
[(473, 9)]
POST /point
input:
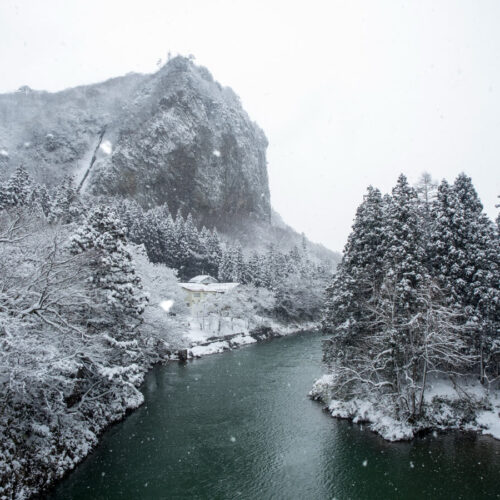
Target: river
[(240, 425)]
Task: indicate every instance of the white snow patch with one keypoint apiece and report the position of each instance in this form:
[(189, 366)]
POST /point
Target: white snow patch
[(166, 305), (490, 420), (27, 144), (216, 152), (213, 348), (243, 340), (4, 153), (380, 421), (195, 333), (106, 147)]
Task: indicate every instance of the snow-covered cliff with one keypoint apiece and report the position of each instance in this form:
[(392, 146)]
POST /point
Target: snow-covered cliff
[(176, 136)]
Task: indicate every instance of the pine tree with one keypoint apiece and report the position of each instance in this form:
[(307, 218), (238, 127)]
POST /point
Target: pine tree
[(226, 265), (151, 237), (205, 252), (214, 253), (5, 200), (64, 207), (181, 249), (360, 274), (18, 189), (238, 265), (41, 200), (464, 256), (194, 258), (254, 269), (168, 241), (114, 281)]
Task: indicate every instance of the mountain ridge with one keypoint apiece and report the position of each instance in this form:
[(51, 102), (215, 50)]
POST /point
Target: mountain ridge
[(174, 137)]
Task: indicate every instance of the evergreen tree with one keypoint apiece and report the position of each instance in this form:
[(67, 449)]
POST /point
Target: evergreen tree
[(205, 252), (254, 269), (360, 274), (464, 255), (18, 189), (168, 241), (41, 200), (114, 279), (64, 207), (404, 245), (226, 265), (214, 253), (194, 258), (238, 265), (181, 249)]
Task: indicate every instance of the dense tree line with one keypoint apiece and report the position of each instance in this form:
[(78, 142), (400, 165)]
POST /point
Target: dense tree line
[(417, 293), (175, 241), (296, 280)]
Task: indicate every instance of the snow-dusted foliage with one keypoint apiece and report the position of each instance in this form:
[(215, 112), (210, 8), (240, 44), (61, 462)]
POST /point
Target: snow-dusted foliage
[(114, 279), (175, 242), (241, 309), (297, 282), (416, 296), (163, 318), (76, 337)]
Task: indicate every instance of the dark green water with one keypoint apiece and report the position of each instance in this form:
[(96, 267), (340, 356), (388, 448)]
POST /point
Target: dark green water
[(239, 425)]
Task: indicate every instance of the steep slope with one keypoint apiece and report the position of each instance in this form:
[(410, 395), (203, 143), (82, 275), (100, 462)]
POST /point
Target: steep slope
[(175, 136), (187, 141), (54, 134)]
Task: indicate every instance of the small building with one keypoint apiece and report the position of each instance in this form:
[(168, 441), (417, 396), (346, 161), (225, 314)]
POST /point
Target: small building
[(203, 279), (201, 287)]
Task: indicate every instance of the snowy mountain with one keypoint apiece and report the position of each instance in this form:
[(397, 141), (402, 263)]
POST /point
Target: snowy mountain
[(176, 136)]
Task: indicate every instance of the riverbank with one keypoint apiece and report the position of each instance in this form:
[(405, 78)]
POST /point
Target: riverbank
[(83, 437), (240, 425), (204, 342), (448, 406)]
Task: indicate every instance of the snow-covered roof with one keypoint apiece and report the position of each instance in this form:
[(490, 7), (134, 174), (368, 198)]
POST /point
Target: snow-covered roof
[(203, 278), (221, 287), (193, 287), (211, 287)]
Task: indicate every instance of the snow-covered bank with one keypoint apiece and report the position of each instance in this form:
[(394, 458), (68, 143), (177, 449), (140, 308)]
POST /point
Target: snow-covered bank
[(468, 407), (205, 342)]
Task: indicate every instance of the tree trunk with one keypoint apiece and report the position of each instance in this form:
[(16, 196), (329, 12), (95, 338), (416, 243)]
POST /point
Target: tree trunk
[(424, 381)]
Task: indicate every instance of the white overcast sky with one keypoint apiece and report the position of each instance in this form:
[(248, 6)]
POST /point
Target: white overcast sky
[(349, 93)]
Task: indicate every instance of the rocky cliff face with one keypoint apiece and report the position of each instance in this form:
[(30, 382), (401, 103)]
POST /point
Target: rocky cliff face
[(176, 136)]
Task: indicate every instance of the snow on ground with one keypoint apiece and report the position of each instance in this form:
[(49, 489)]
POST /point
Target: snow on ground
[(444, 417), (243, 340), (195, 334), (489, 420), (221, 333), (201, 329), (213, 348), (4, 153)]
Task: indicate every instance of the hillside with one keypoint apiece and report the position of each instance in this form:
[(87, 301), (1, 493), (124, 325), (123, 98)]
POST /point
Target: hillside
[(176, 136)]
